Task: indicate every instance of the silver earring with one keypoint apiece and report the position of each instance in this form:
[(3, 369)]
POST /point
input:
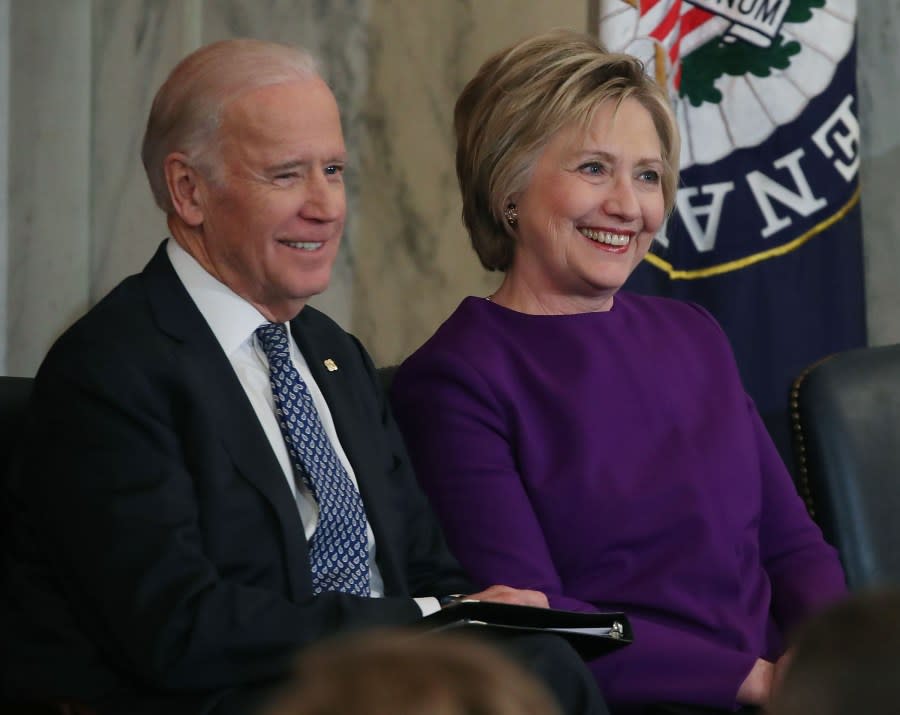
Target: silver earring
[(511, 214)]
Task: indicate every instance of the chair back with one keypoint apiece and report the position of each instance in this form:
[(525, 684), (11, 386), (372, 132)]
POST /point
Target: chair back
[(386, 377), (846, 418), (14, 395), (15, 392)]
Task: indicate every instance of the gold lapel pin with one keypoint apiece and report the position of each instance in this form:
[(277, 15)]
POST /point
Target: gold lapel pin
[(330, 365)]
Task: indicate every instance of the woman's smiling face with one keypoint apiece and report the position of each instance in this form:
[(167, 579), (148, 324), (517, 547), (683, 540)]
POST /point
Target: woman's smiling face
[(591, 209)]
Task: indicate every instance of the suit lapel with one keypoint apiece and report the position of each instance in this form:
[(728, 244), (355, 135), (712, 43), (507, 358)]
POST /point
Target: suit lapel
[(359, 431), (356, 433), (209, 372), (325, 359)]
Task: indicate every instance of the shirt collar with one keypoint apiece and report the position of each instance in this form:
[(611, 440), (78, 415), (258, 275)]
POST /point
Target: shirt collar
[(231, 318)]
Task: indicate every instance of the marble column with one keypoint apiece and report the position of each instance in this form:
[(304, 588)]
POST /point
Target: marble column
[(4, 174), (135, 43), (412, 257), (879, 106), (49, 175)]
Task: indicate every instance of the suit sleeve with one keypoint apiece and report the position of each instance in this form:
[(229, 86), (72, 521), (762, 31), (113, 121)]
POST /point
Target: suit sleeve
[(122, 521), (463, 452), (430, 568)]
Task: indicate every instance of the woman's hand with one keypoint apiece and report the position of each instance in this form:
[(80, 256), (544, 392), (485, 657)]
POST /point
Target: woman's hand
[(781, 666), (507, 594), (757, 685)]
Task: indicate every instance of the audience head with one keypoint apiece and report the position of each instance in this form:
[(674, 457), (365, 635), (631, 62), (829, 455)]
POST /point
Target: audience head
[(399, 673), (845, 661), (519, 100), (244, 151)]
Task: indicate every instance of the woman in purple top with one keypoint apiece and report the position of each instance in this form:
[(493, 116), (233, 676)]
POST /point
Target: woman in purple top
[(590, 444)]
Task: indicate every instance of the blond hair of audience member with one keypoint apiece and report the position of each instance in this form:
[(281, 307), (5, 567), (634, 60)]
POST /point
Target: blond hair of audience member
[(845, 661), (508, 112), (399, 673)]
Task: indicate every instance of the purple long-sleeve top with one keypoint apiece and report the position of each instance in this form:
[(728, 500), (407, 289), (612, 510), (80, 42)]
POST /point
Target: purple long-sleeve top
[(613, 461)]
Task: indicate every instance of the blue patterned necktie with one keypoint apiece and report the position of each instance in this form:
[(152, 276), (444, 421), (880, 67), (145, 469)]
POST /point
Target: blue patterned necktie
[(338, 550)]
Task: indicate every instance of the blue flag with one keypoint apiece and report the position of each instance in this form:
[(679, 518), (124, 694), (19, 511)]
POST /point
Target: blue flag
[(766, 233)]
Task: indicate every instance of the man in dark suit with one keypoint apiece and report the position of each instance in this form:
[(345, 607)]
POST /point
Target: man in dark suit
[(175, 537)]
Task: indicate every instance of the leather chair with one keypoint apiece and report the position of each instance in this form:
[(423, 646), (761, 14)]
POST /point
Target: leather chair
[(14, 395), (845, 411)]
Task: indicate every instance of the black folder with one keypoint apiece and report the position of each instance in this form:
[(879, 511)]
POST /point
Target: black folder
[(591, 634)]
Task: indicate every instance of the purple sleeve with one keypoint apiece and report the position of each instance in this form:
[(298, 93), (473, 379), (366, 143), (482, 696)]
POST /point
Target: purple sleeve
[(461, 446), (804, 570), (460, 449)]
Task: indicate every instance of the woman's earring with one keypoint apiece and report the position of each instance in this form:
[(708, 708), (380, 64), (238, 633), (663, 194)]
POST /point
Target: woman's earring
[(512, 215)]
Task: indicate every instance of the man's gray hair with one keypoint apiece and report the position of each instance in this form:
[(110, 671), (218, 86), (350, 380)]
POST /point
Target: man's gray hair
[(187, 110)]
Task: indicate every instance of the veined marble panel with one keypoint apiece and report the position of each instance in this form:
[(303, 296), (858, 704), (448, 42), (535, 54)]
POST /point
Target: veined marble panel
[(4, 173), (879, 105), (135, 45), (80, 215), (338, 34), (413, 260), (49, 138)]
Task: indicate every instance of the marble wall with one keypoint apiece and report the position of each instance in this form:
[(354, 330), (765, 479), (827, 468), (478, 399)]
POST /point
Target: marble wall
[(4, 169), (415, 262), (48, 278), (879, 106), (81, 75), (132, 47)]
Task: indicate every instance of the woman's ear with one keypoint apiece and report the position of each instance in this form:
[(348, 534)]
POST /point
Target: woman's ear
[(182, 181)]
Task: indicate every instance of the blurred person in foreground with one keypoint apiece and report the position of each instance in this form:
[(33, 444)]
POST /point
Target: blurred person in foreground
[(397, 673), (845, 660), (592, 444), (211, 479)]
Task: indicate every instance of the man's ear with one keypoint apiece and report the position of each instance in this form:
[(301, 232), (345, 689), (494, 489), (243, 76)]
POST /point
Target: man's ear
[(184, 190)]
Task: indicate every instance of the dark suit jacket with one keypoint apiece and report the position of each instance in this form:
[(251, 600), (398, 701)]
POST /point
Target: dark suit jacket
[(156, 546)]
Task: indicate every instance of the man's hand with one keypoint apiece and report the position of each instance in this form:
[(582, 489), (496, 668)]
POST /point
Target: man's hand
[(757, 685), (507, 594)]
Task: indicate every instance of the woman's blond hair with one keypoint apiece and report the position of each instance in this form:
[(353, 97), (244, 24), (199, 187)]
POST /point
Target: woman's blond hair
[(518, 100)]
